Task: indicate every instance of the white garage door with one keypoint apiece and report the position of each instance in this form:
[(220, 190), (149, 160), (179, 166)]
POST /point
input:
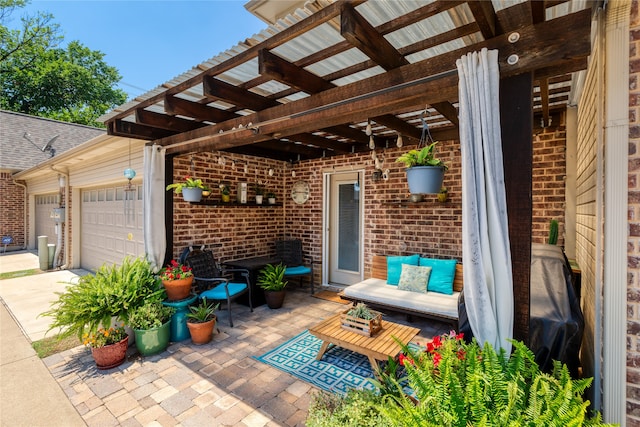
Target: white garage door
[(44, 224), (111, 228)]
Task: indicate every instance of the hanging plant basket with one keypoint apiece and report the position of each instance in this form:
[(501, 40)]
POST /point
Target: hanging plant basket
[(425, 179), (192, 194)]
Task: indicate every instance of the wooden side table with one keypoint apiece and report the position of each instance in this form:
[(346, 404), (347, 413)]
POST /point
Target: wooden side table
[(377, 348)]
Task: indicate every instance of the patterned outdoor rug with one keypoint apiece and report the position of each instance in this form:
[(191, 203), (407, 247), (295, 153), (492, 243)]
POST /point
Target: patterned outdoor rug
[(338, 371)]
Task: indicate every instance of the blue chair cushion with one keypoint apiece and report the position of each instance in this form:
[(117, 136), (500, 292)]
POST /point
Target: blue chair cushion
[(394, 267), (297, 271), (218, 293), (443, 271)]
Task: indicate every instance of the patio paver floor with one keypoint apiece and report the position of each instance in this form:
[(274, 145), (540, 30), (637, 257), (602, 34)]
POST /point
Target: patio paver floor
[(217, 384)]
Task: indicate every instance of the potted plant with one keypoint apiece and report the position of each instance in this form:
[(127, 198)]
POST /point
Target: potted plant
[(191, 189), (150, 323), (271, 198), (108, 346), (361, 320), (201, 321), (225, 193), (443, 194), (259, 194), (271, 280), (105, 298), (177, 279), (425, 172)]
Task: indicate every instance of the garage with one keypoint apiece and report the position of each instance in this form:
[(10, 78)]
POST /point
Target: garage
[(44, 204), (111, 228)]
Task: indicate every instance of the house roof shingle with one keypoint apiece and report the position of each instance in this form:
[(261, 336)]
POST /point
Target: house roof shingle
[(17, 153)]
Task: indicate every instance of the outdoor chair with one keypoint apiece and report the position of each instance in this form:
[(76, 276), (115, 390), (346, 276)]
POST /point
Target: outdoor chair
[(213, 282), (293, 257)]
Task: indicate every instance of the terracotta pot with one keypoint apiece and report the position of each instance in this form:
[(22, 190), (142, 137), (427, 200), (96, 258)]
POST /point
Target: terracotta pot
[(202, 332), (274, 299), (112, 355), (178, 289)]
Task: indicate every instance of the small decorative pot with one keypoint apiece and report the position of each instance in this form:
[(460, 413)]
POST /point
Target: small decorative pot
[(178, 289), (226, 198), (442, 197), (152, 341), (192, 194), (272, 200), (259, 199), (201, 332), (110, 356)]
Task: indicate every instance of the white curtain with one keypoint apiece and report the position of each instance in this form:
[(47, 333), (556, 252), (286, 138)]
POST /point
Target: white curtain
[(486, 255), (155, 242)]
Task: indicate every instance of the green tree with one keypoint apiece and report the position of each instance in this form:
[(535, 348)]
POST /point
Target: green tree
[(71, 84)]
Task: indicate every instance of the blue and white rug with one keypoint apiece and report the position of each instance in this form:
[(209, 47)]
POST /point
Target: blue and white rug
[(338, 371)]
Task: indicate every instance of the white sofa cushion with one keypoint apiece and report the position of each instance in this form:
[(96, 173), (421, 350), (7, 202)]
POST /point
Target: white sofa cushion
[(377, 291)]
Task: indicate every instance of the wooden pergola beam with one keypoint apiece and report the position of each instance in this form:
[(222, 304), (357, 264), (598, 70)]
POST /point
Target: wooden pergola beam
[(485, 15), (162, 121), (217, 89), (134, 130), (178, 106), (542, 38), (544, 100)]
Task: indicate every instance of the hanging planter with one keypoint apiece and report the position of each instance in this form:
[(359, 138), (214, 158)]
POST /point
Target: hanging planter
[(425, 179), (425, 173)]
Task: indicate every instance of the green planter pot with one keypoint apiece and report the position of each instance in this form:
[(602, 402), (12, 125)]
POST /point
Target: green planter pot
[(152, 341)]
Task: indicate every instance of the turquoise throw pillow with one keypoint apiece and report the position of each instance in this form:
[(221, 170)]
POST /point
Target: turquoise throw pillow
[(414, 278), (394, 266), (443, 272)]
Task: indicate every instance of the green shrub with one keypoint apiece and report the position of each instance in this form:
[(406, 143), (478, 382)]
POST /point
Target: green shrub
[(152, 314), (111, 293), (459, 384), (271, 277), (359, 408)]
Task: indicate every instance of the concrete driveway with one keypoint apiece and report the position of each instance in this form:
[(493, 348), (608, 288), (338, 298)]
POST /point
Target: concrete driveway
[(27, 297)]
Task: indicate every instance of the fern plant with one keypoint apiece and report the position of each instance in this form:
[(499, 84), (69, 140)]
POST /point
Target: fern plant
[(460, 384), (113, 292)]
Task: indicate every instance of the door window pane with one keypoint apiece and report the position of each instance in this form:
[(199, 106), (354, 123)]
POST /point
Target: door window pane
[(348, 226)]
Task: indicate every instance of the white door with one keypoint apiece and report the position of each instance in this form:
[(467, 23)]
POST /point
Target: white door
[(344, 234), (108, 232), (45, 226)]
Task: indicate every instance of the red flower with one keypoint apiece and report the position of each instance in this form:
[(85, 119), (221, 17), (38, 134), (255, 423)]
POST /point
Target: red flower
[(175, 271), (436, 359), (434, 344), (402, 358), (461, 354)]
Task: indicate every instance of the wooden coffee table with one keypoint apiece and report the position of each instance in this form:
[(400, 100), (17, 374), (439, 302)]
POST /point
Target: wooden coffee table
[(379, 347)]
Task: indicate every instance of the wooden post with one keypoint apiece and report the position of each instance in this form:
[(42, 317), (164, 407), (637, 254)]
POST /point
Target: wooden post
[(516, 122)]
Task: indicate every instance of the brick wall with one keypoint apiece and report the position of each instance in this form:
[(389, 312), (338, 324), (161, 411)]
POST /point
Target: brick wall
[(392, 226), (232, 231), (13, 202), (549, 173), (633, 286)]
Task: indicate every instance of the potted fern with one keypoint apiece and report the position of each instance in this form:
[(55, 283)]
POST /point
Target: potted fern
[(425, 172), (271, 280)]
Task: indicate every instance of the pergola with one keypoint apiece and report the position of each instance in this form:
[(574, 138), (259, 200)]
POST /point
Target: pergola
[(307, 88)]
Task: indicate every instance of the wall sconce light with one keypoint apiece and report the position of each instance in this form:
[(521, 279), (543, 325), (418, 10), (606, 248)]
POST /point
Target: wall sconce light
[(376, 175)]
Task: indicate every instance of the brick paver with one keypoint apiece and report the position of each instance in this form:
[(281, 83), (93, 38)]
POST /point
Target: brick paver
[(219, 383)]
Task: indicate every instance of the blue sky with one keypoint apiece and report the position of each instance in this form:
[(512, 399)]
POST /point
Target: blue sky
[(150, 42)]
